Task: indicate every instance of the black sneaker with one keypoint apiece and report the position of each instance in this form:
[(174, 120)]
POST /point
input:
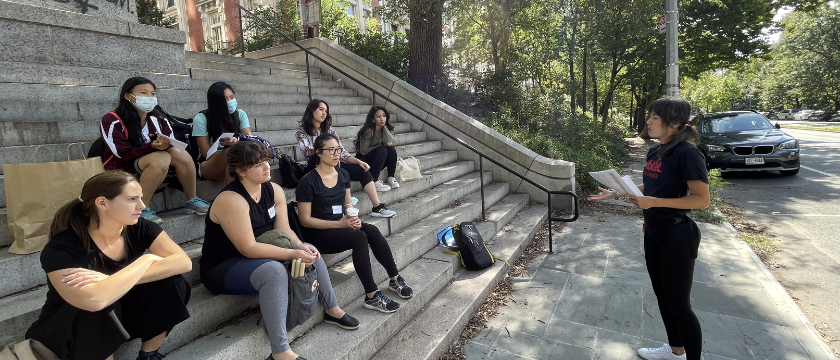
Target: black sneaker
[(382, 211), (152, 355), (346, 322), (381, 302), (398, 286)]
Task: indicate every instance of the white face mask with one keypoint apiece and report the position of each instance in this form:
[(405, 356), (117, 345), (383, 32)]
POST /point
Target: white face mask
[(145, 103)]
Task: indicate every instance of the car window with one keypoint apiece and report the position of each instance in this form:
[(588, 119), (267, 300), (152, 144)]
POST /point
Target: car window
[(734, 123)]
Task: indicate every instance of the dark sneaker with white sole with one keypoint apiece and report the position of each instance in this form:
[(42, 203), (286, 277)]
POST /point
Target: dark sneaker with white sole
[(381, 302), (346, 322), (398, 286)]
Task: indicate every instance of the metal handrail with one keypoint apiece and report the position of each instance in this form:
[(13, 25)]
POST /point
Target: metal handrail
[(481, 155)]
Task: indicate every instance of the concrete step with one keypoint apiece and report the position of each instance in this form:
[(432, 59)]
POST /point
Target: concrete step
[(202, 56), (270, 69), (292, 122), (203, 85), (71, 151), (434, 329), (61, 74), (180, 226), (290, 78), (244, 339), (15, 319), (346, 133)]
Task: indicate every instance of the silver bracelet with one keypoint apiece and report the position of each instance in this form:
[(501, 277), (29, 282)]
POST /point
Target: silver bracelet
[(615, 195)]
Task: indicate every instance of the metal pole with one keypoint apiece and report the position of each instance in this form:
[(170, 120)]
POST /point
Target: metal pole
[(550, 247), (241, 33), (481, 178), (308, 79), (672, 67)]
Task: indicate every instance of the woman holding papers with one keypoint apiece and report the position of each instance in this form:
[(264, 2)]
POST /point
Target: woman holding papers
[(216, 129), (674, 182), (137, 142)]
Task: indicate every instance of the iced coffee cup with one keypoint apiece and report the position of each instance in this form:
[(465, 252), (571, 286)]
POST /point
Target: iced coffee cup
[(352, 212)]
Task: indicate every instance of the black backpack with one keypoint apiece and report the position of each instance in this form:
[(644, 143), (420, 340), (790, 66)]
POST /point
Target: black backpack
[(470, 247)]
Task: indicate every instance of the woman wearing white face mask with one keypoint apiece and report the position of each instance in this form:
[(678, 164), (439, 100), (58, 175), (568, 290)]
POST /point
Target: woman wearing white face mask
[(133, 145), (221, 116)]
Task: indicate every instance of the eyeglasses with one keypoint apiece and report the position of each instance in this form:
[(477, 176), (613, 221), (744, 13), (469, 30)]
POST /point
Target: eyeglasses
[(333, 151)]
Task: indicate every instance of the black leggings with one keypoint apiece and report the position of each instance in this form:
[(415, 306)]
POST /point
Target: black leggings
[(333, 241), (379, 158), (146, 311), (355, 171), (670, 252)]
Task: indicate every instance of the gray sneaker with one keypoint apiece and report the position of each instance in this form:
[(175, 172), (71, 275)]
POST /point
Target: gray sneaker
[(382, 211), (381, 302)]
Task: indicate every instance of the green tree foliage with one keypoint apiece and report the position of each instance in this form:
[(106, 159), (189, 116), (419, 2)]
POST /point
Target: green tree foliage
[(283, 17), (149, 14)]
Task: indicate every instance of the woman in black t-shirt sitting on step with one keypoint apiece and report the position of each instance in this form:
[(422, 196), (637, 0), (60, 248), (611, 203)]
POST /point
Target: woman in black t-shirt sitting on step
[(103, 290), (323, 195), (233, 262)]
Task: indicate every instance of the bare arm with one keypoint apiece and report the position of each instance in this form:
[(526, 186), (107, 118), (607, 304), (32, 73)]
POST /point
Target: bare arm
[(203, 145), (306, 219), (104, 292), (175, 261), (230, 211), (698, 198), (245, 131)]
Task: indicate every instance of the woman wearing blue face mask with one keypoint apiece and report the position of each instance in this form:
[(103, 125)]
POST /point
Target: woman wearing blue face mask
[(221, 116), (132, 135)]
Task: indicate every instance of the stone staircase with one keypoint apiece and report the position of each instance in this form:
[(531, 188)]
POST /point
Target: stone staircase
[(51, 122)]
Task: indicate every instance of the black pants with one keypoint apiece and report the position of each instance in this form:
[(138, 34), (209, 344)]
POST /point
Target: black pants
[(333, 241), (379, 158), (146, 311), (670, 253), (355, 171)]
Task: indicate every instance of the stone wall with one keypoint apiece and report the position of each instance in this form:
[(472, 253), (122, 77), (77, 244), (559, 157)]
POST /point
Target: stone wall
[(550, 173), (125, 10)]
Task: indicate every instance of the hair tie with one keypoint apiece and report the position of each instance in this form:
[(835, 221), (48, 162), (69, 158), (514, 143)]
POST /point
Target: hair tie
[(686, 125), (80, 198)]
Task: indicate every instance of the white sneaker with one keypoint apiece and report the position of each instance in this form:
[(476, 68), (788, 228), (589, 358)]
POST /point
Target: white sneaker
[(393, 183), (660, 353), (380, 187)]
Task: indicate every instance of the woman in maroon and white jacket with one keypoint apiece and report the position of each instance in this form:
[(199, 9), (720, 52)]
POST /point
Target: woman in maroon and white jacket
[(130, 133)]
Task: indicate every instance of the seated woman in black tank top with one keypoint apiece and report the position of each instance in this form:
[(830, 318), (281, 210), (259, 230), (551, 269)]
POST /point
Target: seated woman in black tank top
[(232, 262), (323, 196)]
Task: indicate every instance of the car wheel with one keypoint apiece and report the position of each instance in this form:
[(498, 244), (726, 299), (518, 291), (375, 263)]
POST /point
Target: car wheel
[(789, 172)]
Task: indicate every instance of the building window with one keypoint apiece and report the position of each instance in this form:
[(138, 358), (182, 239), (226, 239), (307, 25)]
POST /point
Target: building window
[(170, 4), (351, 10)]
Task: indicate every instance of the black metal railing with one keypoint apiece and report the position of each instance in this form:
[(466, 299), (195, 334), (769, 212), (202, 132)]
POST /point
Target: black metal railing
[(482, 156)]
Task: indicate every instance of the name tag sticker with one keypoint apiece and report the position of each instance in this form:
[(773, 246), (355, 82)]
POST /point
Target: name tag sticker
[(271, 212), (336, 209)]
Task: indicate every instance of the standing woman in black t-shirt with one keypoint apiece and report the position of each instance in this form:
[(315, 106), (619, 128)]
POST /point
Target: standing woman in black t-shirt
[(674, 182), (103, 290), (323, 195)]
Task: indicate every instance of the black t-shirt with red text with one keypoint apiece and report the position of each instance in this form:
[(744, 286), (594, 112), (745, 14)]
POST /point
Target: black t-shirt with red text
[(668, 177)]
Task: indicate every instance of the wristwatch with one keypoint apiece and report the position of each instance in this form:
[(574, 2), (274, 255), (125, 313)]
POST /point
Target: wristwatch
[(615, 195)]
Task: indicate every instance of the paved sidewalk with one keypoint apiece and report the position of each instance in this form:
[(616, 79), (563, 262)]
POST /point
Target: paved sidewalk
[(592, 299)]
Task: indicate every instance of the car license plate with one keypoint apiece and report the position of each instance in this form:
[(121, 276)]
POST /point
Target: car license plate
[(755, 161)]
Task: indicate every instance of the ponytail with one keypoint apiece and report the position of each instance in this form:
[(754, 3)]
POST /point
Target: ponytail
[(80, 214)]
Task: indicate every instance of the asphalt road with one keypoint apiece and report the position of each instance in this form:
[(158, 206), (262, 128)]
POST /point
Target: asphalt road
[(803, 213)]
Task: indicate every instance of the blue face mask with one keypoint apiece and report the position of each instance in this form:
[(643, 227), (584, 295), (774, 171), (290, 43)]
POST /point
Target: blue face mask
[(145, 103), (231, 106)]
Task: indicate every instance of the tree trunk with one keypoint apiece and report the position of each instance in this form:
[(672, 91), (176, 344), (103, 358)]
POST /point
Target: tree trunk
[(570, 42), (605, 107), (583, 98), (594, 95), (425, 44)]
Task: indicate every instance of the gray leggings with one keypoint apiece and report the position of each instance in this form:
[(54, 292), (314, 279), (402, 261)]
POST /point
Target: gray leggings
[(271, 280)]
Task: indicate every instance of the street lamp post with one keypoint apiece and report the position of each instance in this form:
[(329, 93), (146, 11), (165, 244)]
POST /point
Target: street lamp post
[(672, 67)]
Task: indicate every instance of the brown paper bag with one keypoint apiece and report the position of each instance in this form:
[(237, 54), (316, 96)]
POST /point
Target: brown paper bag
[(34, 192)]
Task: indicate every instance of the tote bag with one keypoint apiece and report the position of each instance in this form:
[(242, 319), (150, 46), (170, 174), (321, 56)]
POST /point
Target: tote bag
[(34, 192), (407, 169)]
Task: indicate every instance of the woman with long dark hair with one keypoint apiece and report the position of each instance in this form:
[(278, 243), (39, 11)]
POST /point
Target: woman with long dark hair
[(221, 116), (103, 290), (323, 197), (132, 133), (233, 262), (375, 145), (674, 182), (317, 121)]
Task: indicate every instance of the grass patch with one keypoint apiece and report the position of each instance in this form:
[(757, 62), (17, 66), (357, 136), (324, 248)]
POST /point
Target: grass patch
[(709, 215), (815, 128), (760, 244)]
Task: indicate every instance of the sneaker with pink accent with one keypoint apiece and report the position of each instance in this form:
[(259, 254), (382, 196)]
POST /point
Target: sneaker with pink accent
[(660, 353)]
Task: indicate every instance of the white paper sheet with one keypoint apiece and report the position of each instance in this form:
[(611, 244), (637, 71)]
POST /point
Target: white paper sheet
[(215, 146), (175, 142), (611, 179)]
